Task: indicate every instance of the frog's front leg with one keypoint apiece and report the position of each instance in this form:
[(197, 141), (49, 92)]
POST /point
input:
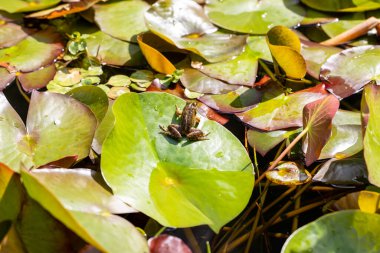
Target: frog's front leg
[(196, 135), (173, 130)]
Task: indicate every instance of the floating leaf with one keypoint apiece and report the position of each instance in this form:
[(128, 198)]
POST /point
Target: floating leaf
[(346, 136), (40, 232), (347, 171), (317, 121), (156, 60), (6, 78), (315, 56), (255, 17), (195, 80), (25, 5), (343, 231), (263, 141), (103, 129), (123, 19), (167, 244), (93, 97), (18, 33), (372, 135), (113, 51), (119, 81), (235, 101), (369, 201), (160, 176), (57, 126), (285, 47), (37, 79), (85, 207), (343, 6), (64, 9), (288, 173), (347, 72), (191, 30), (344, 23), (36, 51), (281, 111), (10, 194)]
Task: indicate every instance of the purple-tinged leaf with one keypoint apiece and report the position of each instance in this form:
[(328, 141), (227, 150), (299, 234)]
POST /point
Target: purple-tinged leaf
[(6, 78), (317, 119), (18, 33), (167, 244), (282, 111), (347, 72), (37, 79)]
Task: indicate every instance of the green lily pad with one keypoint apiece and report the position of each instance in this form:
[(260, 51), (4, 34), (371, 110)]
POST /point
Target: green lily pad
[(94, 97), (26, 5), (123, 19), (161, 177), (40, 232), (10, 194), (344, 23), (18, 33), (191, 30), (103, 129), (347, 171), (195, 80), (6, 78), (372, 135), (264, 141), (255, 17), (37, 79), (240, 70), (343, 231), (36, 51), (342, 6), (281, 111), (347, 72), (57, 126), (235, 101), (113, 51), (85, 207), (346, 136), (315, 56)]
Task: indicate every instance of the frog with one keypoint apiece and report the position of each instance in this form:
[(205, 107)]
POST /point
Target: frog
[(187, 127)]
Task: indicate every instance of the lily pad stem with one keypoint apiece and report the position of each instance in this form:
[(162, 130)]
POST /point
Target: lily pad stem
[(271, 74), (192, 240), (22, 92)]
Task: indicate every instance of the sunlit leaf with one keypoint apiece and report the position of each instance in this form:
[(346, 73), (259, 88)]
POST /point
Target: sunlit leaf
[(372, 135), (347, 171), (160, 176), (85, 207), (344, 6), (281, 111), (18, 33), (285, 47), (37, 79), (195, 80), (317, 119), (57, 126), (122, 19), (288, 173), (25, 5), (191, 30), (10, 194), (156, 60), (369, 201), (167, 244), (235, 101), (36, 51), (343, 231), (347, 72), (103, 129), (344, 23), (315, 56), (255, 17)]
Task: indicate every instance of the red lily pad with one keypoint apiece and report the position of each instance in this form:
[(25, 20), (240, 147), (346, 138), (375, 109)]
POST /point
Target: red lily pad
[(167, 244), (37, 79), (18, 33), (32, 53), (282, 111), (347, 72), (6, 78), (317, 121)]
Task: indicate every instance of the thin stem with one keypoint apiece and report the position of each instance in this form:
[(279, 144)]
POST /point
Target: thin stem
[(192, 240), (160, 231), (282, 155), (297, 206), (22, 92), (353, 33)]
